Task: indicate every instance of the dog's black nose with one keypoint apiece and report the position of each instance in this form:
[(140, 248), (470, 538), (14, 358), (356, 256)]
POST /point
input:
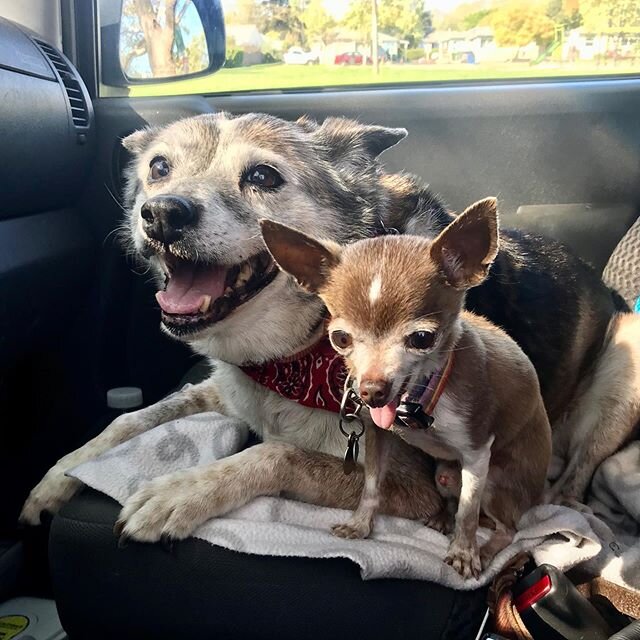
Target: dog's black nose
[(166, 217), (375, 392)]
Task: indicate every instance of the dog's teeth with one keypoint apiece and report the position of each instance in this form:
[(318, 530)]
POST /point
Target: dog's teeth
[(244, 275), (206, 303)]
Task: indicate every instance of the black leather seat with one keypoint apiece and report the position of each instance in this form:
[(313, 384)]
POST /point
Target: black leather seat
[(196, 590)]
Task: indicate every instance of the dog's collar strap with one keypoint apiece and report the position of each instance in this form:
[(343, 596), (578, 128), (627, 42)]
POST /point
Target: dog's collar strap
[(415, 411), (435, 386), (314, 377)]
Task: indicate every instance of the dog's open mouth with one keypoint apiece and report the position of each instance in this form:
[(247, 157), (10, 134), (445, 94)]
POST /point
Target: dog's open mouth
[(197, 295)]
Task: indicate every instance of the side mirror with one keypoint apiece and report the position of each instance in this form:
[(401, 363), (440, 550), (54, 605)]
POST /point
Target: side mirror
[(162, 41)]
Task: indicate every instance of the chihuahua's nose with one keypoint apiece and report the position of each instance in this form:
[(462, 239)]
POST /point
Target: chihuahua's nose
[(375, 392), (166, 217)]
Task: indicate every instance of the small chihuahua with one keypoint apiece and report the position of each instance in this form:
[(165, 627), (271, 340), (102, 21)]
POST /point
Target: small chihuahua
[(396, 304)]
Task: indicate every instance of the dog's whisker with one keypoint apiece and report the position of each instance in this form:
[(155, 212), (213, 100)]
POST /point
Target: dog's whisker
[(115, 199)]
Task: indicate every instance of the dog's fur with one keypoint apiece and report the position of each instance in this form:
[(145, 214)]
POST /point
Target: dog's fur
[(490, 418), (551, 303)]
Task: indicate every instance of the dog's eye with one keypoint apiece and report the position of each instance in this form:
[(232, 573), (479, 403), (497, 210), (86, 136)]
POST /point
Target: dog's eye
[(421, 340), (264, 177), (159, 168), (341, 339)]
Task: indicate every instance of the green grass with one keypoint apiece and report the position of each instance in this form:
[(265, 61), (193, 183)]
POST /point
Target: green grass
[(280, 76)]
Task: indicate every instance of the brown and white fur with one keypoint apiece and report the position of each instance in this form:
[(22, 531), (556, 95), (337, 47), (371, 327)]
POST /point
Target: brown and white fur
[(396, 305), (333, 187)]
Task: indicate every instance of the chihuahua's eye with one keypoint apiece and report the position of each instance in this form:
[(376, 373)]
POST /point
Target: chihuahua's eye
[(341, 339), (159, 168), (421, 340), (264, 177)]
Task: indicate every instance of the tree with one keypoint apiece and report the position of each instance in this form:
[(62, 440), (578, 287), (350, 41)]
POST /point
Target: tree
[(405, 19), (476, 18), (318, 23), (517, 25), (149, 26), (602, 16), (358, 18), (565, 13), (197, 53), (458, 19), (282, 17), (244, 12)]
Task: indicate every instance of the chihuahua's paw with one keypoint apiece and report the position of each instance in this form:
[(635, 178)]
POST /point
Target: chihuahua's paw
[(351, 530), (442, 522), (464, 559), (168, 508), (49, 495)]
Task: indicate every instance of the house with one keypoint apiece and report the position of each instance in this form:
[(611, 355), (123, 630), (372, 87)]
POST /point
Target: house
[(348, 40), (248, 39), (585, 44), (393, 47), (475, 45)]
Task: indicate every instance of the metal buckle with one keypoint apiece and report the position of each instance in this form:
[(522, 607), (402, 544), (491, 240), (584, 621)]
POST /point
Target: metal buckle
[(348, 416), (411, 414)]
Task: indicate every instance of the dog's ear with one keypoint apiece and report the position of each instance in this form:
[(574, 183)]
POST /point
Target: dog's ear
[(308, 260), (348, 138), (465, 250), (137, 141)]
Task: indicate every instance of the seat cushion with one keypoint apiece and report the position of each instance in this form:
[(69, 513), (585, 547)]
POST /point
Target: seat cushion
[(623, 269), (197, 590)]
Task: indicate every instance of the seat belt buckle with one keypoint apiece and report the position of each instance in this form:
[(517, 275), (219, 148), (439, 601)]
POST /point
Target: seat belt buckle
[(553, 609)]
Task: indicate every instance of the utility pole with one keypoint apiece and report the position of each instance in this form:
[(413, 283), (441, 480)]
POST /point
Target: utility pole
[(374, 36)]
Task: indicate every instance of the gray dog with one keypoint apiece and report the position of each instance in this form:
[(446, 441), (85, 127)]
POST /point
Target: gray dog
[(196, 190)]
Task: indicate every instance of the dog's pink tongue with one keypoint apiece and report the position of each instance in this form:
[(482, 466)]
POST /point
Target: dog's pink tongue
[(384, 416), (188, 287)]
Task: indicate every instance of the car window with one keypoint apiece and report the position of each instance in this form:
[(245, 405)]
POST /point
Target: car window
[(294, 44)]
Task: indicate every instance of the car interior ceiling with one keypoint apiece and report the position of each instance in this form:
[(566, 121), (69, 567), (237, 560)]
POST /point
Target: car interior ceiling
[(78, 315)]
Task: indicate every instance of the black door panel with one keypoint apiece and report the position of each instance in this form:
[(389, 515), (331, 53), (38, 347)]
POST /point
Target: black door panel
[(551, 143)]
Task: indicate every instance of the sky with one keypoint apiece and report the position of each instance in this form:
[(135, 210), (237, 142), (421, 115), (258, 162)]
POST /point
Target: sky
[(339, 7)]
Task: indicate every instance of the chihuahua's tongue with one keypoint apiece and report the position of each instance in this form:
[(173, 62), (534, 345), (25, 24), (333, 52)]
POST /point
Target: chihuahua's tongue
[(384, 416), (191, 289)]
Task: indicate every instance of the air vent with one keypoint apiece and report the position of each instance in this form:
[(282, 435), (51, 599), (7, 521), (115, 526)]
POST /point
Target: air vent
[(79, 111)]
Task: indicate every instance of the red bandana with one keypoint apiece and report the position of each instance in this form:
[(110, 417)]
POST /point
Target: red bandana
[(315, 377)]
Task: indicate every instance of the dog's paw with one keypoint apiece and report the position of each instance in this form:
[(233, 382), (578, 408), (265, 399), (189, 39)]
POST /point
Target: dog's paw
[(49, 495), (465, 559), (443, 522), (168, 508), (352, 530)]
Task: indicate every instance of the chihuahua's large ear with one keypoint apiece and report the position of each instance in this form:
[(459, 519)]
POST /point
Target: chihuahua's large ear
[(138, 140), (344, 138), (465, 250), (308, 260)]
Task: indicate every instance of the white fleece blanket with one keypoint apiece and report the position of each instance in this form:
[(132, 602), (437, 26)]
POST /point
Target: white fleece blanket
[(398, 548), (614, 514)]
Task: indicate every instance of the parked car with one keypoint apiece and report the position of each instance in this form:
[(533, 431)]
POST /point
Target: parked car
[(353, 57), (350, 57), (297, 55)]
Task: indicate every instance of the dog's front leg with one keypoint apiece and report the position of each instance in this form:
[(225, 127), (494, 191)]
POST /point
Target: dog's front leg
[(463, 554), (173, 506), (56, 488), (375, 467)]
